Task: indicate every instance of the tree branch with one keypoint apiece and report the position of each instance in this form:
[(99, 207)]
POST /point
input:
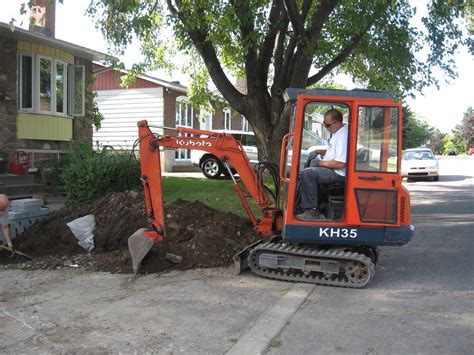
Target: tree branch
[(296, 22), (279, 52), (209, 55), (341, 57), (275, 25), (287, 59), (246, 26), (300, 63), (320, 16)]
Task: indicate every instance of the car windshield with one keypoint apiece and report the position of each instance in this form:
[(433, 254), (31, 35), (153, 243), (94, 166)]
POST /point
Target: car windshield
[(418, 155), (246, 139)]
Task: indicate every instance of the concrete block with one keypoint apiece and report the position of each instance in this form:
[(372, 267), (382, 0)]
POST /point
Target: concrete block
[(25, 205), (12, 215)]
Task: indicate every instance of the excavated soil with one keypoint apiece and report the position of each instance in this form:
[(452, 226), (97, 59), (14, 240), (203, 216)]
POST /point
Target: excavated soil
[(201, 236)]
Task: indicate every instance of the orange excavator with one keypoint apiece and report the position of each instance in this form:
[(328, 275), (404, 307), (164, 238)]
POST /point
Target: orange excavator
[(370, 208)]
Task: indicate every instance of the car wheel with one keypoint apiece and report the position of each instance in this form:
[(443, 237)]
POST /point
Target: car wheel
[(211, 168), (435, 178)]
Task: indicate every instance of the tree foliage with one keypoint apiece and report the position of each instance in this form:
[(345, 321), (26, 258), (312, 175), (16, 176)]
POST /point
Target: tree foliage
[(415, 133), (466, 127), (276, 44), (436, 142), (462, 136)]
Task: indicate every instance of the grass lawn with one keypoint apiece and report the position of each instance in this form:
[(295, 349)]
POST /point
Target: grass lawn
[(218, 194)]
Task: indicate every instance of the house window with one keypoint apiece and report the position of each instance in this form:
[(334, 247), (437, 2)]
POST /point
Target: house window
[(245, 124), (26, 82), (48, 85), (60, 86), (45, 90), (227, 120), (184, 117)]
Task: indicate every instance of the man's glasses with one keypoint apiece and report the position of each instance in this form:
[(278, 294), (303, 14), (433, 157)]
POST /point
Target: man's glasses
[(328, 125)]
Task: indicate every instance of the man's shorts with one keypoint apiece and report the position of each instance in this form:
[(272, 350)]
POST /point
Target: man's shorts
[(4, 219)]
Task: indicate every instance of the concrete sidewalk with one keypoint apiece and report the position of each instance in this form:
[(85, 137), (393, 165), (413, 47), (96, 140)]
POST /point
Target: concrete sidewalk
[(207, 311)]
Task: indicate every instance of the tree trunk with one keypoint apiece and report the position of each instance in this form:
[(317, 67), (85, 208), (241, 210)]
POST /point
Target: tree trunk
[(270, 126)]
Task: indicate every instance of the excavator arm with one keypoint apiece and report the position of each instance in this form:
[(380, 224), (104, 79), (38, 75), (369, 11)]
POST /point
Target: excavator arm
[(223, 146)]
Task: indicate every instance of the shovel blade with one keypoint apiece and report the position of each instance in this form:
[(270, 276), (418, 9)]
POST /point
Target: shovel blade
[(139, 245)]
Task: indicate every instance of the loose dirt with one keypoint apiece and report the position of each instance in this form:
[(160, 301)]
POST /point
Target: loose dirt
[(201, 236)]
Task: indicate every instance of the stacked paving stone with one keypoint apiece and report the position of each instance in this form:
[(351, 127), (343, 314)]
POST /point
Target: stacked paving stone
[(23, 214)]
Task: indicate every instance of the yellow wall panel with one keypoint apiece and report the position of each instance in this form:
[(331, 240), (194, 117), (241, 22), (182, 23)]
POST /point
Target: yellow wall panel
[(29, 47), (44, 127)]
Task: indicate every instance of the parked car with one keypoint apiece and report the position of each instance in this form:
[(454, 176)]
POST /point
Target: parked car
[(452, 152), (212, 168), (420, 163), (210, 165), (470, 151)]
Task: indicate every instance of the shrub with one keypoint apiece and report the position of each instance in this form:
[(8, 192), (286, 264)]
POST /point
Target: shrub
[(85, 176)]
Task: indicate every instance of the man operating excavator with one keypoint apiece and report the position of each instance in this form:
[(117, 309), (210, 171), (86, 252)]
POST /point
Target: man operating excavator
[(330, 169)]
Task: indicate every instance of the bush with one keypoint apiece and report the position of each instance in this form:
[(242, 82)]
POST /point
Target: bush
[(85, 176)]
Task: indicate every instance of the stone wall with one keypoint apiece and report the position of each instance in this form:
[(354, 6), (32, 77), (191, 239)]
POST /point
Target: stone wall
[(82, 128), (8, 94)]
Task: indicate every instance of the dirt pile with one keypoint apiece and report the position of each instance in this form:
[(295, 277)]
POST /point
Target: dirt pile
[(202, 236)]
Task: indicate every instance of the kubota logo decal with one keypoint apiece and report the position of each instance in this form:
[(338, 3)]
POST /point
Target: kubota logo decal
[(331, 232), (186, 143)]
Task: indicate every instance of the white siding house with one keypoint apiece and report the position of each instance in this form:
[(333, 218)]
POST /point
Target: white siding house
[(122, 109)]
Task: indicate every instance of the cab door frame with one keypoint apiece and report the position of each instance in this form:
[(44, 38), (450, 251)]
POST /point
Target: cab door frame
[(354, 179), (370, 192)]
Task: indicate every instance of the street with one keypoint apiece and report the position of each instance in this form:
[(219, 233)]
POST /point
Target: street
[(420, 301)]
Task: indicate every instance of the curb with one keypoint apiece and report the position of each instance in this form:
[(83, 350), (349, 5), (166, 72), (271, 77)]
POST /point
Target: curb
[(257, 339)]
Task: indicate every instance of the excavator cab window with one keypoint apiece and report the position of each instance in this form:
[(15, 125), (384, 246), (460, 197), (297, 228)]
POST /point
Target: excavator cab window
[(314, 143), (377, 139)]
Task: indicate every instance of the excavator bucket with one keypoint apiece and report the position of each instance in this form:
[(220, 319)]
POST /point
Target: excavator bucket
[(139, 244), (241, 258)]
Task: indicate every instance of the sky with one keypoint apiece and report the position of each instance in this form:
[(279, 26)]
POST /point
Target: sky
[(443, 108)]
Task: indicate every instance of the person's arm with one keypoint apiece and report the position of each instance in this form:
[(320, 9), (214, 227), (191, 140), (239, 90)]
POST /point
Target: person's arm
[(332, 164), (6, 236)]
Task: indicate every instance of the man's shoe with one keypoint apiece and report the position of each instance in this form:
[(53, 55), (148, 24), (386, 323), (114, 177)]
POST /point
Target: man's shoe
[(311, 215)]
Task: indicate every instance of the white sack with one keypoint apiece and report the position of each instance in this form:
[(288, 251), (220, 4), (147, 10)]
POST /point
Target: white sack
[(83, 229)]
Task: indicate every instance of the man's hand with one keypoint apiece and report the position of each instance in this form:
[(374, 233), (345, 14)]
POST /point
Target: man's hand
[(316, 163)]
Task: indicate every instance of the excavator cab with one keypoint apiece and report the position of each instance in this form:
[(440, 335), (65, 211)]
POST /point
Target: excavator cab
[(369, 207)]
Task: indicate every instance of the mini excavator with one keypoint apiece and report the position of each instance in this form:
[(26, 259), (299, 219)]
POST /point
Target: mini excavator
[(370, 209)]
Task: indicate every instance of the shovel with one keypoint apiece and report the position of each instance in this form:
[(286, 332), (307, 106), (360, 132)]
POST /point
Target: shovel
[(14, 251)]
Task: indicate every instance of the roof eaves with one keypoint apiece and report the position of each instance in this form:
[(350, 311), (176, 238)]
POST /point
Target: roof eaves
[(78, 51), (167, 84)]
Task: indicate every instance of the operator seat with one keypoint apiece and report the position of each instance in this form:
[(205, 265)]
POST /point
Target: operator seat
[(332, 200)]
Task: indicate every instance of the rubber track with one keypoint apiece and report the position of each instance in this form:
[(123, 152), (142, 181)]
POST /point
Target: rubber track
[(314, 277)]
